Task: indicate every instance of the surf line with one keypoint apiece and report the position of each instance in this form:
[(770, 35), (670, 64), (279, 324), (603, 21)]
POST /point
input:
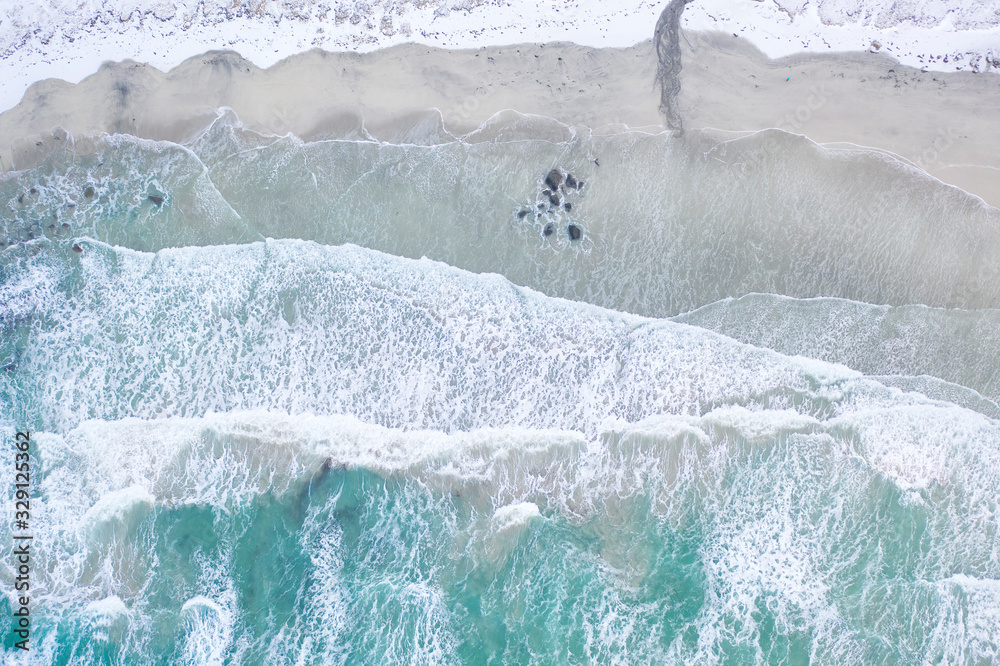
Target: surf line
[(22, 541)]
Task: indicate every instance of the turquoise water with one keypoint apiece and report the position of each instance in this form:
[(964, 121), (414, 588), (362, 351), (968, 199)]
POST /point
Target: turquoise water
[(768, 536), (338, 403)]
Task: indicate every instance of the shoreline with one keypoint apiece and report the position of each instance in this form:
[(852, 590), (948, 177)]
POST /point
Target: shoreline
[(941, 123), (42, 41), (937, 122)]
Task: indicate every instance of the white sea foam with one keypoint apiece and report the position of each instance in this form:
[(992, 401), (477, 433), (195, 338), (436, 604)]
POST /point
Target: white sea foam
[(208, 630), (908, 340), (896, 443), (327, 613), (969, 618), (514, 515), (297, 327), (110, 617), (783, 517), (120, 508)]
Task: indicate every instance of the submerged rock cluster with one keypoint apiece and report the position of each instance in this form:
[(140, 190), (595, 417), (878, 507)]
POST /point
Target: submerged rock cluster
[(31, 219), (552, 205), (48, 211)]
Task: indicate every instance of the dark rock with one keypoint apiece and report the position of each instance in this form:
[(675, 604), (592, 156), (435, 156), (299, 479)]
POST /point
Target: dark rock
[(33, 191), (65, 226), (554, 200), (77, 248), (571, 181), (574, 232), (20, 199), (156, 199), (541, 206), (521, 214), (548, 230), (568, 206), (554, 179), (89, 192)]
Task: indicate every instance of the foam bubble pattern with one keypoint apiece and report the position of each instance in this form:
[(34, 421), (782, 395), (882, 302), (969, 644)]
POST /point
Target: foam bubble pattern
[(758, 536), (293, 326)]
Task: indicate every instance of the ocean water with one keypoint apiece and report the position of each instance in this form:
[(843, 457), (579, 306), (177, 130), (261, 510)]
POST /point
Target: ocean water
[(347, 402), (955, 345)]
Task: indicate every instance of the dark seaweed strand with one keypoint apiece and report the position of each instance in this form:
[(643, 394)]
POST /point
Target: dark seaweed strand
[(668, 69)]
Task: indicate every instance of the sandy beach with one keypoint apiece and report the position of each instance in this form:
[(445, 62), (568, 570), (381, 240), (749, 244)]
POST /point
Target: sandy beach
[(944, 123), (941, 122)]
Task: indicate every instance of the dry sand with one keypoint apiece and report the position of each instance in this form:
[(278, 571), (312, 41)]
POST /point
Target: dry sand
[(945, 123)]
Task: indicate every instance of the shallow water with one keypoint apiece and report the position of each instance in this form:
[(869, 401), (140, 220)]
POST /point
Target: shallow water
[(668, 225), (269, 432), (955, 345)]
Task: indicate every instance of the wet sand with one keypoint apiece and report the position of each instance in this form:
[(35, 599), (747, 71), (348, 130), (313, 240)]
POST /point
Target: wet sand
[(944, 123)]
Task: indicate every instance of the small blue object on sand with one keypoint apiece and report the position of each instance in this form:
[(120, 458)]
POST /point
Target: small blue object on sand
[(787, 78)]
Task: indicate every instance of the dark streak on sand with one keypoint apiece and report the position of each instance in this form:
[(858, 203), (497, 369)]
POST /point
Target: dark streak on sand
[(666, 37)]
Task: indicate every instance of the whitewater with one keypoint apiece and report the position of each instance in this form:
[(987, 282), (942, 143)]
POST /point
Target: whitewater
[(305, 451), (534, 393)]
